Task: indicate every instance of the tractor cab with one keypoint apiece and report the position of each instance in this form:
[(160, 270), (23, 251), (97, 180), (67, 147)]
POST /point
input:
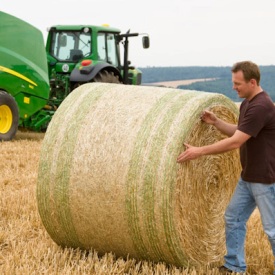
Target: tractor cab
[(82, 54), (71, 44)]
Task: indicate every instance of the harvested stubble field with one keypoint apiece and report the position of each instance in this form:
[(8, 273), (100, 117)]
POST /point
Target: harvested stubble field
[(26, 248)]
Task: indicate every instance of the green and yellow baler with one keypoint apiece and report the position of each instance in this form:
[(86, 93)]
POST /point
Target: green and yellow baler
[(24, 82)]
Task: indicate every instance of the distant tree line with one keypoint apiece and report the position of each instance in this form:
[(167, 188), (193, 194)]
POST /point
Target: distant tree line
[(222, 75)]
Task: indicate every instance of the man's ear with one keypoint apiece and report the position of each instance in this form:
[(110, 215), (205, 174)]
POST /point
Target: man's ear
[(253, 82)]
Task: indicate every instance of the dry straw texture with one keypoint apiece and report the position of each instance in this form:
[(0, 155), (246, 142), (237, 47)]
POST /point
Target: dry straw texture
[(108, 177), (26, 248)]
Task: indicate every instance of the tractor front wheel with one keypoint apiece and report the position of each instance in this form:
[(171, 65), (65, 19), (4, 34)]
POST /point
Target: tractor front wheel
[(106, 77), (9, 116)]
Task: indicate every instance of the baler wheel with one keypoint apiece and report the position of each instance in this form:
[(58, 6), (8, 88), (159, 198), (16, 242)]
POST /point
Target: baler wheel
[(9, 116)]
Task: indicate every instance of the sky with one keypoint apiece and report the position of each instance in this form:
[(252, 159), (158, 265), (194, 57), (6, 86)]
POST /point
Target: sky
[(182, 32)]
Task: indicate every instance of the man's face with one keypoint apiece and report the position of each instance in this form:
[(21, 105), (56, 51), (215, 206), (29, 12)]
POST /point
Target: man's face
[(243, 88)]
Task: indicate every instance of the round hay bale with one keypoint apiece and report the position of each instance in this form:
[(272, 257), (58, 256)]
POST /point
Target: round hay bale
[(108, 177)]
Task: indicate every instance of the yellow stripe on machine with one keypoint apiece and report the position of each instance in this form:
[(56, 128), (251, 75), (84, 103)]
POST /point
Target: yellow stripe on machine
[(12, 72)]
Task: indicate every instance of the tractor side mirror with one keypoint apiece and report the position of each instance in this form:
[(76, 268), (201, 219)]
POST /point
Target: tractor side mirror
[(145, 42)]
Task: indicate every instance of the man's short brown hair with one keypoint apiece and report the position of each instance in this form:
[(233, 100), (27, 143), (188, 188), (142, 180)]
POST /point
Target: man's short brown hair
[(250, 70)]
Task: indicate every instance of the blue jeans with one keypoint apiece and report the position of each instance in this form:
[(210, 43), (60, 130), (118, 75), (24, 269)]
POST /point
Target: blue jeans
[(245, 199)]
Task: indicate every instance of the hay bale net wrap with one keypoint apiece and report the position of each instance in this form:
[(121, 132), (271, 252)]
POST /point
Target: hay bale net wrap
[(108, 177)]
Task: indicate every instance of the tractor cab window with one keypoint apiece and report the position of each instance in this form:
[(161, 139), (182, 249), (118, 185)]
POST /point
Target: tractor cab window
[(71, 46), (106, 48)]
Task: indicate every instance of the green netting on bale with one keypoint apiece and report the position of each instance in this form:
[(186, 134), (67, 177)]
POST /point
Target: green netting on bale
[(108, 177)]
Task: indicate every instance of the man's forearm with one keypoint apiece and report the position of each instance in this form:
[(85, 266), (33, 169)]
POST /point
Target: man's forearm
[(221, 146), (226, 128)]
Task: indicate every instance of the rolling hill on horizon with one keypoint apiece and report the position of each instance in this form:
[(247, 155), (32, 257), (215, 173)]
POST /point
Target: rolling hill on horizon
[(220, 83)]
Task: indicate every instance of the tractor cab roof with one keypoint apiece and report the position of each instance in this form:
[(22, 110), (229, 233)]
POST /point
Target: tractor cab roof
[(103, 28)]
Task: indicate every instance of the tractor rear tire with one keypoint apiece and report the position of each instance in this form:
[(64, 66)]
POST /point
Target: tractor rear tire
[(106, 77), (9, 116)]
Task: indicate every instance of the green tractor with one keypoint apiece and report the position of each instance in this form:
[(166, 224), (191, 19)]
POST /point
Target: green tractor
[(35, 81), (81, 54)]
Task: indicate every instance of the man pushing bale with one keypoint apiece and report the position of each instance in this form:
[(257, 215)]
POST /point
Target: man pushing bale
[(108, 177)]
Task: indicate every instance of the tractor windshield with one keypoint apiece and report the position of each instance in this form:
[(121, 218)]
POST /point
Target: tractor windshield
[(70, 46), (107, 48)]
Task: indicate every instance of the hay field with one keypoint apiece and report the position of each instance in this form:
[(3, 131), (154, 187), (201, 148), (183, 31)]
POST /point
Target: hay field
[(176, 83), (26, 248)]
